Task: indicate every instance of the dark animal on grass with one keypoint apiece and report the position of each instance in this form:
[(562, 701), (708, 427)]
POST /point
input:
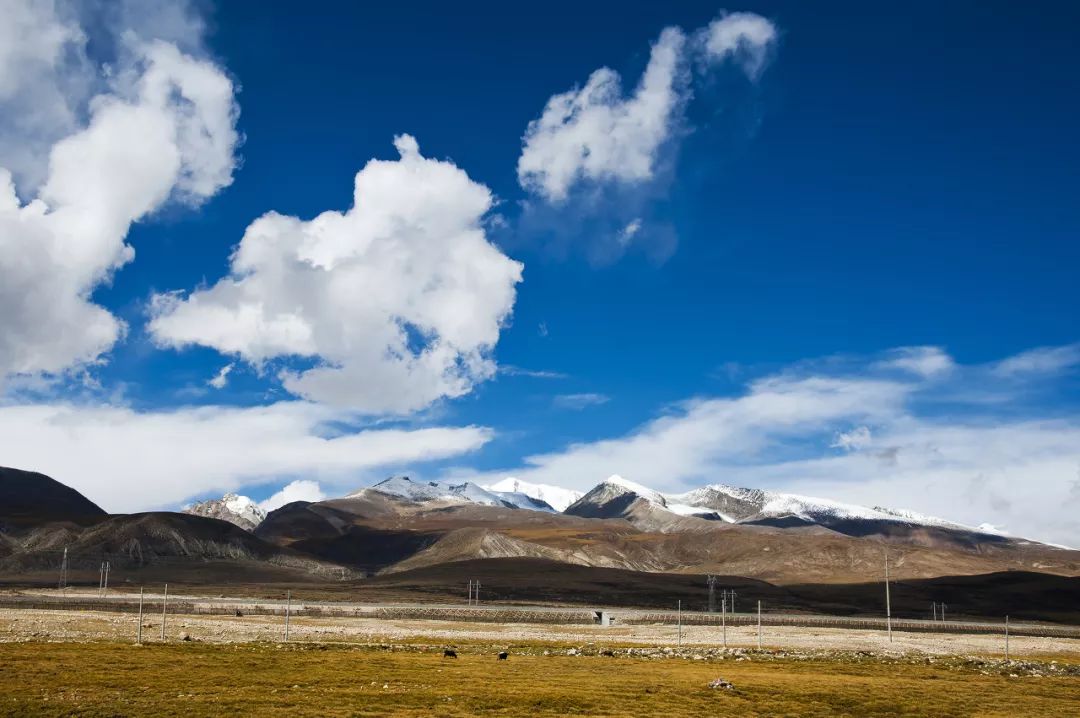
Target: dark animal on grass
[(503, 656), (448, 653)]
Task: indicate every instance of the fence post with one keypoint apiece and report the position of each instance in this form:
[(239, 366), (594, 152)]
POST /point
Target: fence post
[(164, 603), (138, 634)]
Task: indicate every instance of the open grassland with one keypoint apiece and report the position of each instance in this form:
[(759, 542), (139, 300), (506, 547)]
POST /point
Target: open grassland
[(202, 679)]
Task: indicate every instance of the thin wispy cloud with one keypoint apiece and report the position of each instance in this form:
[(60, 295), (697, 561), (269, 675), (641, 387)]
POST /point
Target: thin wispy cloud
[(1040, 361), (221, 379), (131, 460), (577, 402), (861, 432), (511, 370), (923, 361)]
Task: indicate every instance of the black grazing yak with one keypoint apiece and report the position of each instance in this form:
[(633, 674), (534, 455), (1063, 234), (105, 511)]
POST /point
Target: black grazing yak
[(503, 656), (449, 653)]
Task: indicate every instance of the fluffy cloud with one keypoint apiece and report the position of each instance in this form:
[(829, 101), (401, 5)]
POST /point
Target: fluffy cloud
[(45, 80), (399, 300), (743, 36), (128, 460), (857, 432), (596, 134), (163, 129), (299, 490)]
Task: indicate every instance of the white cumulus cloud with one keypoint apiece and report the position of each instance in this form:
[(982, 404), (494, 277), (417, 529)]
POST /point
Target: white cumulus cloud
[(594, 133), (164, 128), (399, 300), (743, 36)]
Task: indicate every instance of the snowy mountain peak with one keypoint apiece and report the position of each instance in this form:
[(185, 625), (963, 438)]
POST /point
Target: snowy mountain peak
[(403, 487), (238, 510), (619, 485), (732, 504), (617, 497)]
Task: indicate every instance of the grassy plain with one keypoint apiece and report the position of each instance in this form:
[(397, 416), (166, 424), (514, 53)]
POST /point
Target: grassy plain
[(266, 679)]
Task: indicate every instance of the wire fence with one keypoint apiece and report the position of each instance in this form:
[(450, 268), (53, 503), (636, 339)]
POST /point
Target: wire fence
[(526, 615)]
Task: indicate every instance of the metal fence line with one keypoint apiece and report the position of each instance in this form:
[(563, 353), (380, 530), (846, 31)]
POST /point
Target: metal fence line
[(495, 614)]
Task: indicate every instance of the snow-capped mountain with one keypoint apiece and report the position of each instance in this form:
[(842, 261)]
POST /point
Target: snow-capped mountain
[(555, 496), (617, 497), (238, 510), (403, 487), (651, 510), (738, 505)]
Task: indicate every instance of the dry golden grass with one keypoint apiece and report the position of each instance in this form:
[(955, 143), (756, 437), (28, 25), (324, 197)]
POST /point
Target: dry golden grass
[(195, 679)]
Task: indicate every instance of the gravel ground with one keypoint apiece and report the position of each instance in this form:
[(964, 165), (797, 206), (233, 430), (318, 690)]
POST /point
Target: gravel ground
[(23, 625)]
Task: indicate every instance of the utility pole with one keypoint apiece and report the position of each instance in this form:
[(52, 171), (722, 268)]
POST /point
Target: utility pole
[(759, 624), (888, 603), (288, 610), (105, 586), (164, 603), (723, 619), (680, 623), (63, 571), (712, 592), (933, 610), (138, 633)]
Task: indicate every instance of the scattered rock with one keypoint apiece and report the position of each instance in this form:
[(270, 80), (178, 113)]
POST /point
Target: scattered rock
[(721, 684)]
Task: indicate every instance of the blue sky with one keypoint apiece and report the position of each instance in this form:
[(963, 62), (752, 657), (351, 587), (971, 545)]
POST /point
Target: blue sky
[(850, 220)]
